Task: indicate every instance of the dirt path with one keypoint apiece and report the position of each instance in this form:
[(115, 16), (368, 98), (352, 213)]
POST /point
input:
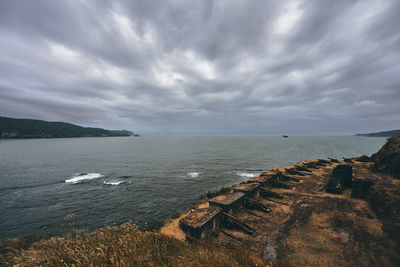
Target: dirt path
[(172, 228)]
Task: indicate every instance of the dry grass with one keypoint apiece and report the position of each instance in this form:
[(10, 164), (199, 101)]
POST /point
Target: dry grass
[(124, 245)]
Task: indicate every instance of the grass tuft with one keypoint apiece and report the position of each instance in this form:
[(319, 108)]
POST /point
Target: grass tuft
[(123, 245), (212, 194)]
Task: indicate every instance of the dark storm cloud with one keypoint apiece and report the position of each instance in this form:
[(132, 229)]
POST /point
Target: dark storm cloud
[(203, 67)]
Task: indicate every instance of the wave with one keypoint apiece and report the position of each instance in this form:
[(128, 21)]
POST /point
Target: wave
[(193, 174), (114, 182), (78, 177), (247, 173)]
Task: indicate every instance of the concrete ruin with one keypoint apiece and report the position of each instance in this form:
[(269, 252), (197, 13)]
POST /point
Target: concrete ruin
[(201, 223), (260, 180), (230, 203), (251, 190)]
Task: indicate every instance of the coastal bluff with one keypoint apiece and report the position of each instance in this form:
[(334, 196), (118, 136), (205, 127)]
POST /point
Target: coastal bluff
[(308, 223)]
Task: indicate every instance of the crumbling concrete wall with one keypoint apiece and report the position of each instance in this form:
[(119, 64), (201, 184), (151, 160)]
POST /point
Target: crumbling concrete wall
[(201, 223), (230, 203)]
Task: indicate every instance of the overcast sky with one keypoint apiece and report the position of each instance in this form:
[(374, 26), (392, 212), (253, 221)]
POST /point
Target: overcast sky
[(203, 67)]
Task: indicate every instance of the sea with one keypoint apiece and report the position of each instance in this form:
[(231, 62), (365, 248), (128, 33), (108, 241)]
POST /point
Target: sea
[(44, 183)]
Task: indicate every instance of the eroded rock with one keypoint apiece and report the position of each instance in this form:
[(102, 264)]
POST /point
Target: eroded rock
[(342, 176), (335, 185), (387, 159), (361, 188)]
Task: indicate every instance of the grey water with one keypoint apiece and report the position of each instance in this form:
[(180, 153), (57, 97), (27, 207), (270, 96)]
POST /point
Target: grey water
[(102, 181)]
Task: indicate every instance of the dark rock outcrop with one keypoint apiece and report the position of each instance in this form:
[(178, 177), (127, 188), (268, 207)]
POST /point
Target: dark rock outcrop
[(361, 188), (345, 172), (333, 160), (363, 158), (342, 176), (383, 197), (349, 160), (380, 202), (323, 161), (335, 185), (387, 159)]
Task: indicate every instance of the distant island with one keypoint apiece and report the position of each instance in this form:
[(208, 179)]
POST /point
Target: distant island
[(382, 134), (27, 128)]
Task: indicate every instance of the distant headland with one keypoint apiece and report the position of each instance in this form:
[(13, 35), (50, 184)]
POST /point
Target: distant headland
[(382, 134), (11, 128)]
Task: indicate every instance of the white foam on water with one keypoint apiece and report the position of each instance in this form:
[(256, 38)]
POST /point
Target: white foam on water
[(78, 177), (247, 174), (113, 182), (193, 174)]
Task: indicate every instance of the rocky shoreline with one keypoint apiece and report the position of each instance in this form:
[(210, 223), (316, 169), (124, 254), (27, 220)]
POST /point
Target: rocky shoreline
[(322, 212)]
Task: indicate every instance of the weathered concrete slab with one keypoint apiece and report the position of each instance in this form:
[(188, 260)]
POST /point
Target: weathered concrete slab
[(201, 223), (260, 180), (251, 190), (271, 174), (230, 203)]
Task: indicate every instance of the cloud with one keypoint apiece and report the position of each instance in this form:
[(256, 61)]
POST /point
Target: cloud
[(203, 67)]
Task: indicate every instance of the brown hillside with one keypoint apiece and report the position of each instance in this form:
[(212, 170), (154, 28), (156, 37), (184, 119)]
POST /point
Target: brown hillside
[(387, 159)]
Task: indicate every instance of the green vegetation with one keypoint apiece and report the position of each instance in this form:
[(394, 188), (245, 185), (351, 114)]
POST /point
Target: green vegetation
[(153, 227), (382, 134), (209, 194), (123, 245), (27, 128)]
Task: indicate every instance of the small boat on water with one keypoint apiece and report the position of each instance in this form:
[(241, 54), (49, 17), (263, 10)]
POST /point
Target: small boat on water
[(285, 136)]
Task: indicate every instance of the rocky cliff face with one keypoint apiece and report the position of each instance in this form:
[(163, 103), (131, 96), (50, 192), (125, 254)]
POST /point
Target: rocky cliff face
[(387, 159)]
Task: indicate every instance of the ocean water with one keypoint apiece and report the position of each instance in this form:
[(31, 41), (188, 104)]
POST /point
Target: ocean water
[(110, 180)]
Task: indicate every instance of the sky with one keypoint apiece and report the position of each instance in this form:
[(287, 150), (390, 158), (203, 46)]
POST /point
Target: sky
[(315, 67)]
